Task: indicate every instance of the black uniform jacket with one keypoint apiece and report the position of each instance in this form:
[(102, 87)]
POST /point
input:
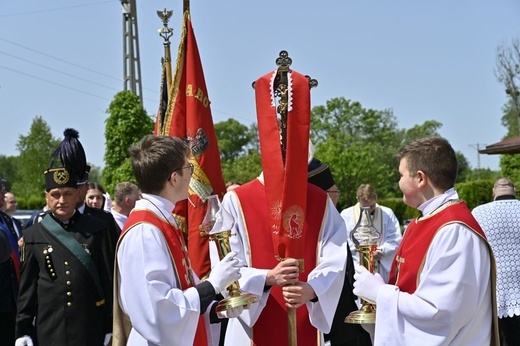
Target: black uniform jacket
[(58, 290)]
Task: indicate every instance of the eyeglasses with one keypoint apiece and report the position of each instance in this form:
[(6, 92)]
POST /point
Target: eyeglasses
[(190, 166), (12, 202)]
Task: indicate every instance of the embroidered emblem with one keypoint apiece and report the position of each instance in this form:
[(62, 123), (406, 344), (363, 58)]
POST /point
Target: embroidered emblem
[(399, 261), (61, 176), (293, 222), (276, 211)]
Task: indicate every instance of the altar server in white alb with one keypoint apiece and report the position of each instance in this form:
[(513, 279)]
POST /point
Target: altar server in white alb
[(500, 220), (384, 221), (441, 289), (159, 300)]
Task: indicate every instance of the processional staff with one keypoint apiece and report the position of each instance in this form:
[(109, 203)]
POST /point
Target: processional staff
[(284, 90)]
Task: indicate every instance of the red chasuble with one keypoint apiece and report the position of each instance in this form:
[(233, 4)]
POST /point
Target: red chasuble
[(271, 327), (411, 254), (179, 255)]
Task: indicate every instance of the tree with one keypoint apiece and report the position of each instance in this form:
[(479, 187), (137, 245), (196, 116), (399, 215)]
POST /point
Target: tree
[(125, 126), (8, 169), (358, 144), (243, 169), (507, 71), (233, 138), (428, 128), (36, 150)]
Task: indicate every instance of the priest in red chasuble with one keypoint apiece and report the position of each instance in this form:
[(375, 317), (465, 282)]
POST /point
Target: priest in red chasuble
[(287, 232)]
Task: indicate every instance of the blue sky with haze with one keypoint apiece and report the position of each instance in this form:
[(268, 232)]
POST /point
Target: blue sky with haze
[(424, 60)]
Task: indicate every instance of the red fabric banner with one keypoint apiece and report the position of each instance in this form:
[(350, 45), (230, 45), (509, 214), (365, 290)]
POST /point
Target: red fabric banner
[(286, 197), (189, 116)]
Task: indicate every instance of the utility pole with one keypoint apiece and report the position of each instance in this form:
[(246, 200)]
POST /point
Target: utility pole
[(477, 147), (131, 62)]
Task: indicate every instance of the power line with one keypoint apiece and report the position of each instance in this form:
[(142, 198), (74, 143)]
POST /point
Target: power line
[(51, 82), (54, 9), (58, 71)]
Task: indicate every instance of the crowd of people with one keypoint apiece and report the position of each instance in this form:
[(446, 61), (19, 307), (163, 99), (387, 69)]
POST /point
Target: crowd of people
[(89, 270), (438, 282)]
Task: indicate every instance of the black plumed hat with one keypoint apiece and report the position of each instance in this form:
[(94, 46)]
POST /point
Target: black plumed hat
[(72, 156)]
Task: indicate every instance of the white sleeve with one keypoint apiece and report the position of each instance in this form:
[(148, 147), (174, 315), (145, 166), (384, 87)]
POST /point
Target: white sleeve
[(348, 218), (328, 277), (451, 305), (148, 290)]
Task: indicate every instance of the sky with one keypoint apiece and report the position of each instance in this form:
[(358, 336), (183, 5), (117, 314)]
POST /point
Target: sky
[(424, 60)]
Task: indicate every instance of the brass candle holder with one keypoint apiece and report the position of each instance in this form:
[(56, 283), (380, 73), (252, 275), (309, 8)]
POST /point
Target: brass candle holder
[(217, 224), (366, 238)]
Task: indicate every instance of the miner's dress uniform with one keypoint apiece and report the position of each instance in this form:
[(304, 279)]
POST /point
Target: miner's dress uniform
[(59, 291)]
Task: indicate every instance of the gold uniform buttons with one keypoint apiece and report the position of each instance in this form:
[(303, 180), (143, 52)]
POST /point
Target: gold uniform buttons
[(69, 304), (66, 263), (67, 272), (69, 283), (69, 293)]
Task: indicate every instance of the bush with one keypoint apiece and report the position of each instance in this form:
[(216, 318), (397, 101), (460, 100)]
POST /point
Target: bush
[(476, 192), (31, 203)]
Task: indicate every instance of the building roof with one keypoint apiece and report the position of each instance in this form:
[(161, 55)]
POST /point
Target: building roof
[(507, 146)]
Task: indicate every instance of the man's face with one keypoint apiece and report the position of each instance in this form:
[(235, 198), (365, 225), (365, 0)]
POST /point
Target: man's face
[(133, 198), (62, 201), (408, 185), (183, 182), (334, 193), (10, 203), (370, 204)]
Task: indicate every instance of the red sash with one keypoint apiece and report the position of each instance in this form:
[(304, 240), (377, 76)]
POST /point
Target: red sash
[(286, 200), (178, 252), (271, 327), (411, 254)]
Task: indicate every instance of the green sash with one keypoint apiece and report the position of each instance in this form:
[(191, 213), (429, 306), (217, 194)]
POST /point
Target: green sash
[(75, 247)]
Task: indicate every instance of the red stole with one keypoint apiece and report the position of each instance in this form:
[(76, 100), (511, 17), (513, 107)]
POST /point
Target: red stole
[(178, 252), (271, 327), (286, 200), (411, 254)]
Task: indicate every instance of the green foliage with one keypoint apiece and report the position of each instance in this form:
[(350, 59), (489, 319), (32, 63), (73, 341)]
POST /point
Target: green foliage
[(126, 125), (475, 192), (243, 169), (8, 169), (510, 165), (95, 174), (428, 128), (401, 210), (483, 173), (464, 168), (31, 203), (36, 149), (233, 137), (358, 144)]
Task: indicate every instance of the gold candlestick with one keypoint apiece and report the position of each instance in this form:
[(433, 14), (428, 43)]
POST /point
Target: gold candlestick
[(366, 238), (217, 218)]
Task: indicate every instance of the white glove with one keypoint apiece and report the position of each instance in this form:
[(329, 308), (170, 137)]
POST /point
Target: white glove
[(224, 272), (366, 284), (230, 313), (24, 341), (107, 339)]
